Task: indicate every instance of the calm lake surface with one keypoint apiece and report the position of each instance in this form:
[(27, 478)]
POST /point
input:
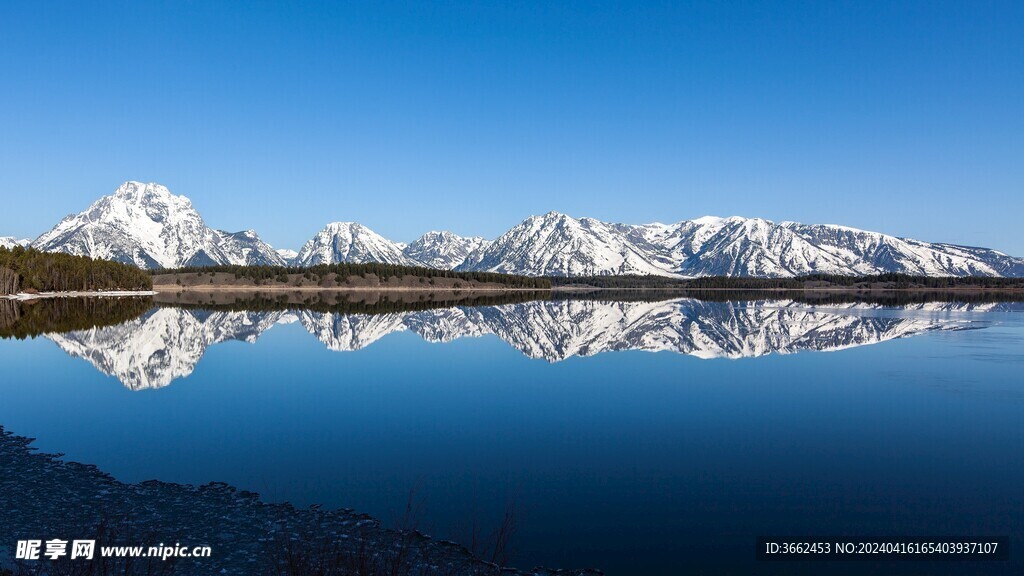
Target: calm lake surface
[(637, 437)]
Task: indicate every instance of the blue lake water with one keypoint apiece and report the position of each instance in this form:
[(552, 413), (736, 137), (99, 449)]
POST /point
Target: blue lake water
[(635, 437)]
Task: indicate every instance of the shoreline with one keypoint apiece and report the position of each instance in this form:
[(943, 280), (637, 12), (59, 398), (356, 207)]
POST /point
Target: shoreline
[(247, 288), (231, 288), (809, 289), (21, 296), (247, 534)]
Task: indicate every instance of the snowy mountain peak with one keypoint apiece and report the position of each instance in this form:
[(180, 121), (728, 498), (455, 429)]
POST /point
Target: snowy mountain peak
[(146, 225), (350, 242), (142, 193), (11, 242), (438, 235), (339, 226), (287, 255), (709, 220), (558, 245), (442, 249)]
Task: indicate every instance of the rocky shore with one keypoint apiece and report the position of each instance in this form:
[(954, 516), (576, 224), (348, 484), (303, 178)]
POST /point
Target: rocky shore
[(43, 497)]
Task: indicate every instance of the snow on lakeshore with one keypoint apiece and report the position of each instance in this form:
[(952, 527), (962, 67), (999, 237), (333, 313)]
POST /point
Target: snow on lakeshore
[(80, 294)]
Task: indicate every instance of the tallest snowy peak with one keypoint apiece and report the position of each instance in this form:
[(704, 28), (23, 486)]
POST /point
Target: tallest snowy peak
[(337, 226), (148, 193), (146, 225), (133, 188), (554, 216)]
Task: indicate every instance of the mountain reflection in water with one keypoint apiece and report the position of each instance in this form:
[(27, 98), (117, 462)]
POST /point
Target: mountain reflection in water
[(147, 347)]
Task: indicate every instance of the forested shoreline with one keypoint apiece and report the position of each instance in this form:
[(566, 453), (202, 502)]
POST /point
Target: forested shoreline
[(342, 275), (268, 275), (29, 270)]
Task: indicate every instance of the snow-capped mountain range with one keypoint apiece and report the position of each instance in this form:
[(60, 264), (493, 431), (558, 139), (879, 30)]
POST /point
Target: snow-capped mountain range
[(144, 224), (167, 343), (559, 245)]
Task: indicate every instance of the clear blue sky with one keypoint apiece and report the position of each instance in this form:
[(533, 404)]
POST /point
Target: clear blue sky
[(901, 117)]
